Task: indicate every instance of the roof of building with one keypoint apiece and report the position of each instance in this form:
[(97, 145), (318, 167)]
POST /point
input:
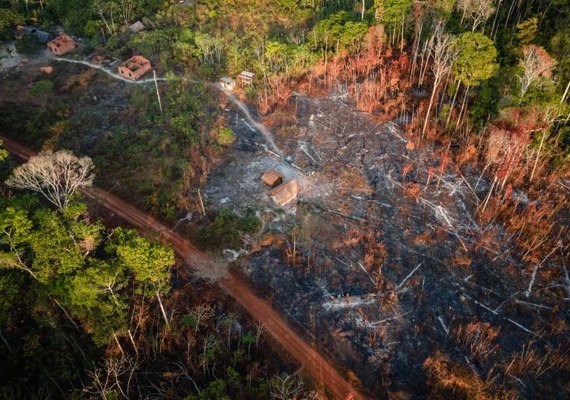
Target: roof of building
[(285, 193), (272, 178), (63, 39), (137, 27), (135, 62), (247, 74)]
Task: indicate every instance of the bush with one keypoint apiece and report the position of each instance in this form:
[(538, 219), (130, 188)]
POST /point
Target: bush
[(43, 88), (225, 137), (227, 228), (29, 45)]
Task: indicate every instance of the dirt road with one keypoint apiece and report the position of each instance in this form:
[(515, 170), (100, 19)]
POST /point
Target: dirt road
[(276, 326)]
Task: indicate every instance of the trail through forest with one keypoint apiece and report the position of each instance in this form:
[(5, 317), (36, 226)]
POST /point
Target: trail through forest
[(112, 74), (276, 326), (243, 108), (257, 125)]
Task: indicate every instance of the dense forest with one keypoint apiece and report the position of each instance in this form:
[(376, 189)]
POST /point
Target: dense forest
[(91, 308)]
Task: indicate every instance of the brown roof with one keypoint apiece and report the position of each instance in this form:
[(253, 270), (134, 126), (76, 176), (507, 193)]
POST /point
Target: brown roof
[(61, 45), (135, 67), (272, 178), (286, 193)]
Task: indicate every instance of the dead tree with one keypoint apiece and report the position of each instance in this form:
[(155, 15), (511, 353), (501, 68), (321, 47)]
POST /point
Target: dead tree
[(536, 63), (57, 176), (442, 51), (478, 11), (284, 387)]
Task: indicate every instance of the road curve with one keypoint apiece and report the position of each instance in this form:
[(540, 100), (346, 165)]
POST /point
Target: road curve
[(309, 357)]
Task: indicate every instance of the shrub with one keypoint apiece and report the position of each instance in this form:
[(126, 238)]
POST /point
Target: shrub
[(29, 45), (227, 228), (225, 137), (43, 88)]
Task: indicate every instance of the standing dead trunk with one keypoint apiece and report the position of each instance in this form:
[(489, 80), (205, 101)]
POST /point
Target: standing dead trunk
[(460, 117), (162, 309), (428, 112), (157, 91), (484, 205), (493, 32), (537, 156), (458, 83), (402, 34), (415, 51)]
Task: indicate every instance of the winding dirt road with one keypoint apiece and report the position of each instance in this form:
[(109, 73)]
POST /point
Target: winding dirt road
[(276, 326)]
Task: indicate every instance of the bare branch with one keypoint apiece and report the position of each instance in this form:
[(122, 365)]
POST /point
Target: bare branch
[(57, 176)]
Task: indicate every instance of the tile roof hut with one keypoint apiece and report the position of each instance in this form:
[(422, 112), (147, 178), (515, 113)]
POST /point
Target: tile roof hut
[(272, 178), (61, 45), (135, 67), (137, 27), (246, 77), (285, 193)]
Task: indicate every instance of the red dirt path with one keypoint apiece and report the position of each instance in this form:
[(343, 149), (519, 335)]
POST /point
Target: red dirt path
[(276, 326)]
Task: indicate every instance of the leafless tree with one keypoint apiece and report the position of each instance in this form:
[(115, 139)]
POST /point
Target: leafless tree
[(478, 11), (57, 176), (113, 378), (285, 387), (127, 9), (536, 63), (442, 51), (201, 312)]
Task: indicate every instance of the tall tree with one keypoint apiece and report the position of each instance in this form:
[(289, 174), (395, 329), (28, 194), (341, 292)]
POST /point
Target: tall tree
[(442, 52), (476, 58), (478, 11), (149, 262), (535, 63), (393, 13), (57, 176), (475, 63)]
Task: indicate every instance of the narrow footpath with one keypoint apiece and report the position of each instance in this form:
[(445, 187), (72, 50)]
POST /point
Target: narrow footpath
[(309, 357)]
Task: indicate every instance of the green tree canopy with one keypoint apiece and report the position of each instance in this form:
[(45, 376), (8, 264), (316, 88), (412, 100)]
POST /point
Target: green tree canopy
[(149, 262), (476, 59), (390, 11)]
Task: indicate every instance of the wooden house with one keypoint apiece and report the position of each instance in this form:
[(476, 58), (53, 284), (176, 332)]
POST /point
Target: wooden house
[(246, 78)]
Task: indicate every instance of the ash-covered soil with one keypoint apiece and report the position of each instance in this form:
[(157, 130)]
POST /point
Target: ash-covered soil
[(382, 261)]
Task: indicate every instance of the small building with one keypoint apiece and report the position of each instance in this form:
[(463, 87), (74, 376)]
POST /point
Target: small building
[(246, 78), (227, 83), (135, 67), (42, 36), (285, 193), (272, 178), (61, 45), (137, 27)]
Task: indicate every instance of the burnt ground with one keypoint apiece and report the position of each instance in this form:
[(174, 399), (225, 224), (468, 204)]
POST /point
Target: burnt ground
[(342, 264), (384, 270)]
